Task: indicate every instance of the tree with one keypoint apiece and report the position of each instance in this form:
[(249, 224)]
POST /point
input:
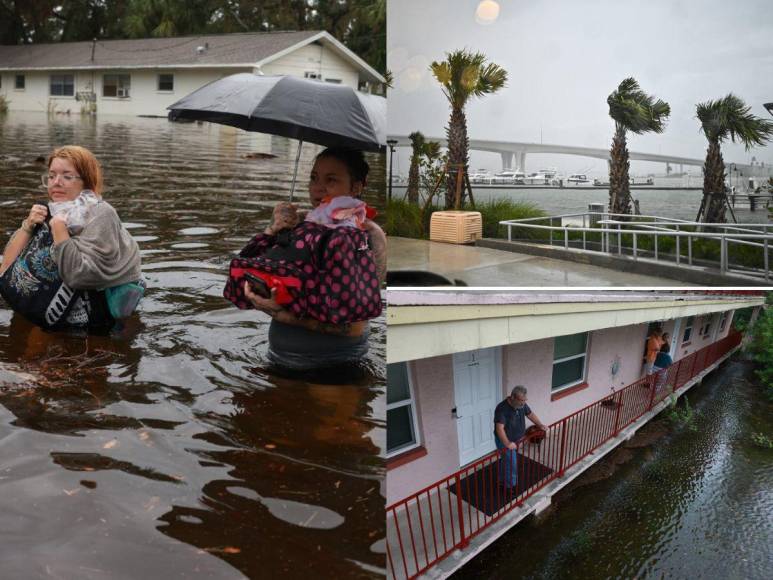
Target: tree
[(720, 119), (632, 110), (417, 150), (463, 75)]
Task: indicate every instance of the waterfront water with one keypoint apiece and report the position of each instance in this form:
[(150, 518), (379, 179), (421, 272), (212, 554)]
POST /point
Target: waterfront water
[(680, 204), (173, 449), (693, 504)]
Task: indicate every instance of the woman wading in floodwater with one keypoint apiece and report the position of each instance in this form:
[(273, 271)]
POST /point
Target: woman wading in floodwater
[(318, 278), (72, 263)]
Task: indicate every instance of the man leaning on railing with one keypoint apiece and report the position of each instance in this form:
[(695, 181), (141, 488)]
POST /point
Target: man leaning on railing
[(509, 426)]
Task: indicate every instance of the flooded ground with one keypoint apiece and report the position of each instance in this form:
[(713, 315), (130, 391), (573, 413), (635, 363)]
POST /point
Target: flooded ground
[(682, 503), (172, 449)]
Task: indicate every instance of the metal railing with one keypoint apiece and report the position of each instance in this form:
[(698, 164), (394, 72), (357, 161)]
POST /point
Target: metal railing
[(602, 232), (425, 527)]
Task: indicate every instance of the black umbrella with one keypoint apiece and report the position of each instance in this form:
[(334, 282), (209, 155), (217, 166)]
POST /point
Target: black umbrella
[(328, 114)]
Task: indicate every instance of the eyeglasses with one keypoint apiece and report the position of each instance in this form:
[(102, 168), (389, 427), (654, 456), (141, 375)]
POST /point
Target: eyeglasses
[(67, 178)]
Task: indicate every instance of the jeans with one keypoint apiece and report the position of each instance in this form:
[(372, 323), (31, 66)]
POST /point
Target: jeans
[(508, 465)]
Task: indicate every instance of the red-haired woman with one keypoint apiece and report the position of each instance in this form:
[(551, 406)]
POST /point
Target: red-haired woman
[(72, 263)]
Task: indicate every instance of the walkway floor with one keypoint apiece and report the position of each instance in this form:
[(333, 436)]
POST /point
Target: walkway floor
[(488, 267)]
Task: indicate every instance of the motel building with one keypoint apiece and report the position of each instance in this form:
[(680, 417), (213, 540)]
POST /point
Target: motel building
[(453, 356), (144, 76)]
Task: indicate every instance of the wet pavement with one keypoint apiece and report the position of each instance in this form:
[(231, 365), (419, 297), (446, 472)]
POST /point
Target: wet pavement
[(172, 449), (478, 266)]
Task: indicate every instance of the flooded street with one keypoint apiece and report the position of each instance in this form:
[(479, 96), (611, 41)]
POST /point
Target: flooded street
[(690, 503), (171, 449)]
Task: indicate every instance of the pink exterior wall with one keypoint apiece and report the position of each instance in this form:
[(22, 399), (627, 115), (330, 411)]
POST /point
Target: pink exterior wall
[(432, 380), (529, 364)]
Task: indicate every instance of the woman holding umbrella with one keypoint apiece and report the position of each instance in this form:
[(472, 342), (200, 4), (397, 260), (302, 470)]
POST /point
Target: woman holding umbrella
[(343, 267)]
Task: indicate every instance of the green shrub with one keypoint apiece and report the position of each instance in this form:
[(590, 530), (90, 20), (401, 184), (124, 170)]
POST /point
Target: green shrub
[(682, 416), (404, 220), (497, 210), (3, 105), (762, 440)]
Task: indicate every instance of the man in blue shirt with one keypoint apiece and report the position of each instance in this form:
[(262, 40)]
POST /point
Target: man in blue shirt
[(509, 426)]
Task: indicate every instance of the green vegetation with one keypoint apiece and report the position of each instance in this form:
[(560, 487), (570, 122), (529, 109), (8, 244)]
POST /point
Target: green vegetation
[(632, 110), (762, 440), (681, 416), (762, 347), (720, 119), (405, 219), (463, 75), (3, 105)]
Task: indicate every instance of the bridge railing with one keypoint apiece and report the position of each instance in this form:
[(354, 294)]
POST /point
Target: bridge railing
[(731, 248)]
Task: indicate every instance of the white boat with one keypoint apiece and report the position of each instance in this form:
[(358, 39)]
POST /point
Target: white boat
[(480, 176), (508, 176), (578, 178), (542, 177)]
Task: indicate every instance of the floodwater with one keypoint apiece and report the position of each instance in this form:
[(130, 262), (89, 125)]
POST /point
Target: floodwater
[(679, 204), (171, 449), (693, 504)]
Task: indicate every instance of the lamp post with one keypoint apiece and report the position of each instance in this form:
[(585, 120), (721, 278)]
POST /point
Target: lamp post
[(391, 143)]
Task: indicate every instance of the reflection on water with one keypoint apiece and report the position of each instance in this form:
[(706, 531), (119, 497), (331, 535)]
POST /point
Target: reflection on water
[(696, 504), (171, 447)]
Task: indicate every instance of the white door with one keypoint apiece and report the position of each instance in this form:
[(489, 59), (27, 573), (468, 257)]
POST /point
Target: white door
[(676, 337), (477, 389)]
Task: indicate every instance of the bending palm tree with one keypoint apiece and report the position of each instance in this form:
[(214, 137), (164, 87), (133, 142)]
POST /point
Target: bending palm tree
[(632, 110), (417, 150), (463, 75), (727, 117)]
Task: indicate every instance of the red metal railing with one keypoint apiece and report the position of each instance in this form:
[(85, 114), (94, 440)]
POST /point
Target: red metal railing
[(428, 525)]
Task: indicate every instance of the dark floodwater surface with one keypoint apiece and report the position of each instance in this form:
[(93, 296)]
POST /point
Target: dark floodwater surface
[(171, 449), (695, 504)]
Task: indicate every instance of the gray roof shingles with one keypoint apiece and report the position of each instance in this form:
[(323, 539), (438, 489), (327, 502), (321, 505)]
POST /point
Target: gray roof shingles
[(223, 49)]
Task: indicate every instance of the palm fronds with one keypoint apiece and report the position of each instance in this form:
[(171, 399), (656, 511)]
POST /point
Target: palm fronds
[(636, 111), (731, 117)]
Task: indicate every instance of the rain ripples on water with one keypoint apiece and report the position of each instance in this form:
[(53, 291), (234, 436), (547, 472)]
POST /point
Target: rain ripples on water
[(172, 447)]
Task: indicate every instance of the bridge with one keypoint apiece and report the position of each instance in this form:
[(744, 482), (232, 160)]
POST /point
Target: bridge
[(508, 150)]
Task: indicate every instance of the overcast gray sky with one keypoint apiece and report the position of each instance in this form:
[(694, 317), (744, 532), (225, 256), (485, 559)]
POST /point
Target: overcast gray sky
[(564, 57)]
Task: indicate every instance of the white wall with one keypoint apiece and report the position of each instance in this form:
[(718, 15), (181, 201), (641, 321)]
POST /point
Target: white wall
[(145, 99), (314, 58)]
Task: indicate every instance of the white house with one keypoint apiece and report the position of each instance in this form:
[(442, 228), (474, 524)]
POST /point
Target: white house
[(144, 76), (453, 356)]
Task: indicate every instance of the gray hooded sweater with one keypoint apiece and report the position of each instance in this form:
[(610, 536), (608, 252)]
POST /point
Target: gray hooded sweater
[(103, 255)]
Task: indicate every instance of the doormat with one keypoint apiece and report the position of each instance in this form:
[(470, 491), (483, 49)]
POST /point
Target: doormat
[(483, 490)]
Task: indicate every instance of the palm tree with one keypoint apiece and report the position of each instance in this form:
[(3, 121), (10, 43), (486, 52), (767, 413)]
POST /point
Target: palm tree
[(417, 150), (632, 110), (463, 75), (727, 117)]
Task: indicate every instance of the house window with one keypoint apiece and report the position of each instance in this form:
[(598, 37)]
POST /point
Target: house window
[(166, 82), (62, 85), (707, 327), (688, 329), (116, 86), (402, 433), (19, 86), (569, 355), (723, 320), (334, 81), (311, 75)]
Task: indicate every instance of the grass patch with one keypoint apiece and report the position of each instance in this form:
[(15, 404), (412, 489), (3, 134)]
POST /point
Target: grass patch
[(681, 416), (762, 440), (497, 210)]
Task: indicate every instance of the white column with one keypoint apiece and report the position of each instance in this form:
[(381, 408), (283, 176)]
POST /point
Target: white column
[(522, 161), (508, 158)]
